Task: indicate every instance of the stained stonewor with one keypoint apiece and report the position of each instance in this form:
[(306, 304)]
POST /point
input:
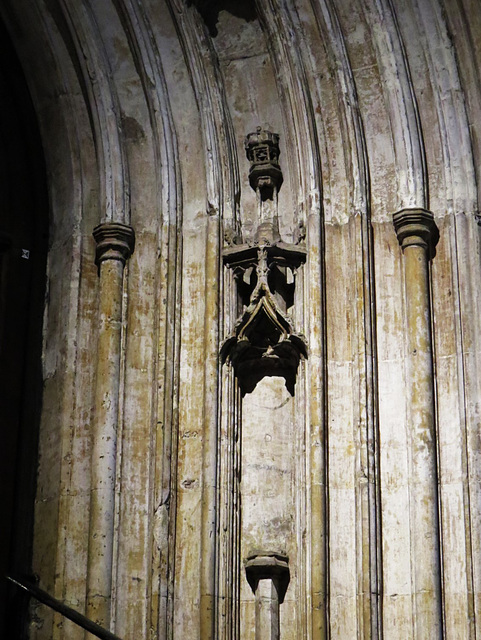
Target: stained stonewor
[(269, 371), (115, 243), (417, 235)]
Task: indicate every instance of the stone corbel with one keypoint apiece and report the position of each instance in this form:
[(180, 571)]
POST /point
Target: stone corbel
[(416, 227), (115, 241), (268, 575)]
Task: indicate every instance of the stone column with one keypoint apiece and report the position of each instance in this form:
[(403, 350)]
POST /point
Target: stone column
[(417, 235), (268, 575), (115, 243)]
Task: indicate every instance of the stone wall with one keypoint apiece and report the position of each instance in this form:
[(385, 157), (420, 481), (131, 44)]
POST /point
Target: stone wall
[(175, 494)]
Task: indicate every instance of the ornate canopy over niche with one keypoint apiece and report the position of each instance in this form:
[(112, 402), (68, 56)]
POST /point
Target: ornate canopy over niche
[(263, 341)]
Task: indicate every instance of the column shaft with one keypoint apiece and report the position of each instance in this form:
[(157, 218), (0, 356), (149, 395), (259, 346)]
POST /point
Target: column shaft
[(267, 611), (417, 235), (209, 436), (115, 243)]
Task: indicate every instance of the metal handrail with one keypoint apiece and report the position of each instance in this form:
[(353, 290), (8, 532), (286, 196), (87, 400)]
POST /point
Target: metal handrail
[(45, 598)]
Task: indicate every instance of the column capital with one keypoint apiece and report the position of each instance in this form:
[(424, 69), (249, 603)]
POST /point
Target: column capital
[(268, 564), (115, 241), (416, 226)]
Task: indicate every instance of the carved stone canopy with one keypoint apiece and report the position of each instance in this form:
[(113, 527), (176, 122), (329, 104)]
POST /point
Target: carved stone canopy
[(263, 342)]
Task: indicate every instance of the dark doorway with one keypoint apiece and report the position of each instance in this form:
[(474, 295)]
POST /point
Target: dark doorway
[(23, 250)]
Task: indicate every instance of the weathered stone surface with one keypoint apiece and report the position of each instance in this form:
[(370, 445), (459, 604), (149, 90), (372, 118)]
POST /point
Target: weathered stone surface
[(162, 466)]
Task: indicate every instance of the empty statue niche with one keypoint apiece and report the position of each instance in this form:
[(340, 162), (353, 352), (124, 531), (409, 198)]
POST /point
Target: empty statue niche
[(246, 281), (280, 280)]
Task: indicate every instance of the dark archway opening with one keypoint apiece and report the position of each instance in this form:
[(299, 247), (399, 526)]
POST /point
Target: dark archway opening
[(210, 9), (23, 251)]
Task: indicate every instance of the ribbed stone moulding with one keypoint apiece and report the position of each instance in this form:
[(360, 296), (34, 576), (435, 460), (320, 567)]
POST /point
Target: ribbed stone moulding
[(285, 371)]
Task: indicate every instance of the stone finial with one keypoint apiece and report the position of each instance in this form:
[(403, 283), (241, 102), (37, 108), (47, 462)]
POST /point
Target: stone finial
[(262, 149), (115, 241), (416, 227)]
